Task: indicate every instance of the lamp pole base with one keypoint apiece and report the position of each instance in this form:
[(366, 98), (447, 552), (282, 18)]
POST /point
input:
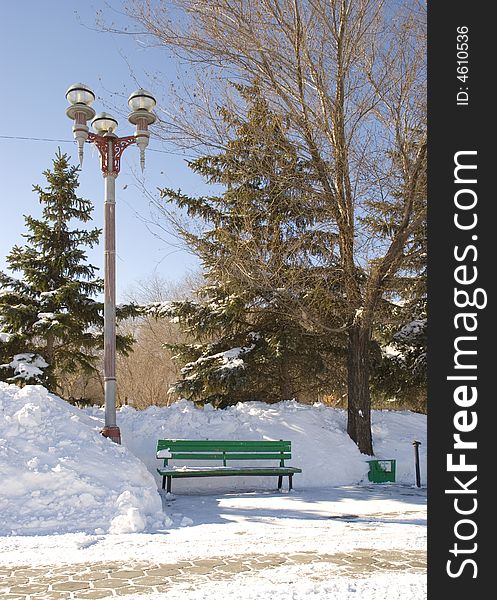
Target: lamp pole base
[(114, 433)]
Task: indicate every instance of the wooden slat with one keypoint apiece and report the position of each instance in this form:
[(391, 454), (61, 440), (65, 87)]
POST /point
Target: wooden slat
[(229, 456), (229, 444), (223, 445)]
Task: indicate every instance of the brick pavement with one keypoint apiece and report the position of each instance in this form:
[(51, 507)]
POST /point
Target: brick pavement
[(113, 579)]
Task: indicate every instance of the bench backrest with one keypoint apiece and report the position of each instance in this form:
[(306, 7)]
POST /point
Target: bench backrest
[(224, 450)]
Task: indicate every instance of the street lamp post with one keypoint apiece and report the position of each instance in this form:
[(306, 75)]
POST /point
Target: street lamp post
[(110, 148)]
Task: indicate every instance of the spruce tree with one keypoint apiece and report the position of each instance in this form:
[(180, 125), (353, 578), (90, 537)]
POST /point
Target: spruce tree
[(401, 371), (262, 249), (50, 322)]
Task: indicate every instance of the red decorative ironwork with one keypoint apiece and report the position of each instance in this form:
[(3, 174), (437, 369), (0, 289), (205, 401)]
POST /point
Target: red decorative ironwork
[(118, 146)]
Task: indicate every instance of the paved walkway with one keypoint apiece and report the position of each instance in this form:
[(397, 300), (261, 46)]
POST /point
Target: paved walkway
[(106, 580)]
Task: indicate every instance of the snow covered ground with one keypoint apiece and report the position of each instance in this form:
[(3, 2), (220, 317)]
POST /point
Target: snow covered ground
[(70, 497), (345, 521)]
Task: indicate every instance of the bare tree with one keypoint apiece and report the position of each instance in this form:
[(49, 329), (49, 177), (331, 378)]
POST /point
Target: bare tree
[(146, 374), (349, 75)]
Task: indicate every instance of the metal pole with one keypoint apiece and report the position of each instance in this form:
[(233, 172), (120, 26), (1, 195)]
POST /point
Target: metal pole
[(110, 429), (416, 458)]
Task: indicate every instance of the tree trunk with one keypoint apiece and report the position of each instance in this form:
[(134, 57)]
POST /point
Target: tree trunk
[(359, 401), (286, 387), (49, 348), (49, 355)]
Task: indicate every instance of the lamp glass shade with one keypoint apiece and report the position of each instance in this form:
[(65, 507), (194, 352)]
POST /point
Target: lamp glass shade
[(104, 123), (79, 93), (141, 100)]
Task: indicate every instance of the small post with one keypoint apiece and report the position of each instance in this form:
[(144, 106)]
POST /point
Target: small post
[(416, 445)]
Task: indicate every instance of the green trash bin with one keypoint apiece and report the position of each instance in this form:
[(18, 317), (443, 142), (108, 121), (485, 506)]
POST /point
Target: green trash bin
[(381, 471)]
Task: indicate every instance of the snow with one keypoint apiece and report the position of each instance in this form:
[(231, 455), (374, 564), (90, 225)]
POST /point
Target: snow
[(324, 521), (385, 517), (49, 316), (282, 584), (320, 443), (60, 475), (46, 318), (49, 294), (411, 331), (55, 465), (164, 453), (70, 496), (230, 359), (27, 366), (5, 337), (390, 350), (158, 309)]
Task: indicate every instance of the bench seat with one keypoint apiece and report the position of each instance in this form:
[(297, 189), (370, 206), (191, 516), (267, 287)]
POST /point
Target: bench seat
[(220, 471)]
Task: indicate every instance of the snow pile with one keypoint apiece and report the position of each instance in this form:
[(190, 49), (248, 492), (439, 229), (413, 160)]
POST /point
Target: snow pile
[(59, 475), (320, 444)]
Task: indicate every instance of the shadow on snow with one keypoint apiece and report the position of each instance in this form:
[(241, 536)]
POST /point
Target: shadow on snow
[(322, 504)]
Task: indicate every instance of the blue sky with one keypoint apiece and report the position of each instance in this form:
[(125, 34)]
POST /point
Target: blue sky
[(46, 46)]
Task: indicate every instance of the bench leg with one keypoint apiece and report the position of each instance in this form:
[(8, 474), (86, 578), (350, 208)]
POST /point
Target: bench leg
[(169, 485), (163, 482), (280, 481), (290, 482)]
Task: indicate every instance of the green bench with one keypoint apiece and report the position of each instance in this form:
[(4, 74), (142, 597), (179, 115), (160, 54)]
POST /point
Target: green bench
[(223, 451)]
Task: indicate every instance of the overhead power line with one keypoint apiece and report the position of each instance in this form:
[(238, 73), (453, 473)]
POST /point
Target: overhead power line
[(35, 139)]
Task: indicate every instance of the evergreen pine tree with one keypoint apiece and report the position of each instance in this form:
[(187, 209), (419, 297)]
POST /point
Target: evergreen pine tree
[(249, 344), (401, 371), (50, 323)]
